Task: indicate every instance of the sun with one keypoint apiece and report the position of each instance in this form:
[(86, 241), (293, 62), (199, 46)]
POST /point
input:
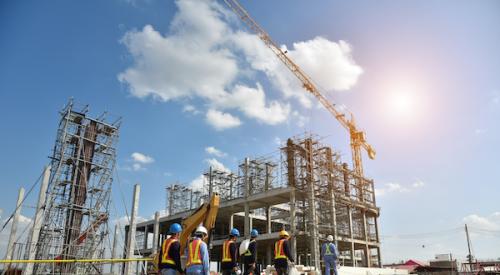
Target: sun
[(402, 104)]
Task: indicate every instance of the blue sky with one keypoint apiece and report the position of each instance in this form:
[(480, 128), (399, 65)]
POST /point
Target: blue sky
[(420, 76)]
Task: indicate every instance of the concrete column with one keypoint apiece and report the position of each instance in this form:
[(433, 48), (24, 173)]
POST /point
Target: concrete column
[(269, 254), (293, 226), (130, 266), (37, 221), (246, 229), (13, 228), (114, 251), (351, 233), (156, 233), (268, 220), (146, 237), (313, 218), (231, 222), (366, 249)]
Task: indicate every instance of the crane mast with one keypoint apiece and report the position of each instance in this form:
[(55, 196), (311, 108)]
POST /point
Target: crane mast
[(357, 137)]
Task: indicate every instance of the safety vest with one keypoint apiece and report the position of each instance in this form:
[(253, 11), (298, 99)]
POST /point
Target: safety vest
[(194, 253), (279, 251), (327, 250), (165, 258), (226, 254), (248, 252)]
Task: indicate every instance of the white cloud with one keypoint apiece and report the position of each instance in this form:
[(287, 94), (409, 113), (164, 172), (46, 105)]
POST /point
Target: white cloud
[(480, 131), (217, 165), (214, 151), (393, 187), (252, 103), (190, 109), (199, 58), (198, 183), (221, 121), (23, 227), (299, 119), (491, 222), (278, 141), (142, 158), (328, 63)]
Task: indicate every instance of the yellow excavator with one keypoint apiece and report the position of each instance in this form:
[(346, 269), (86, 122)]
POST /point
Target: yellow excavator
[(205, 215)]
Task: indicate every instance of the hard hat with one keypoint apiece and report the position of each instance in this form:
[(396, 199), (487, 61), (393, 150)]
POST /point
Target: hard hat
[(175, 228), (201, 230), (254, 233), (235, 232), (329, 238), (284, 233)]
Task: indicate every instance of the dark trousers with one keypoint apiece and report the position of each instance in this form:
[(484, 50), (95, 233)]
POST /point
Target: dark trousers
[(249, 269), (281, 270)]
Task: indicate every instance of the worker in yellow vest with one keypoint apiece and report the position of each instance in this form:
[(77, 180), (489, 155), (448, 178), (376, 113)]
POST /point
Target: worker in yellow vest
[(282, 254), (229, 263), (250, 256), (170, 256), (329, 253), (198, 262)]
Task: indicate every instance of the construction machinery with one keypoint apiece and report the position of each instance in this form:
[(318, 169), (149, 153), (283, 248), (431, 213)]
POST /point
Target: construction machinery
[(358, 137), (205, 215)]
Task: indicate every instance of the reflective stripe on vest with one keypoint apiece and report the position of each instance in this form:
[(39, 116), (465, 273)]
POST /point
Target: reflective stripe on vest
[(279, 251), (248, 252), (194, 253), (165, 259), (226, 254), (328, 251)]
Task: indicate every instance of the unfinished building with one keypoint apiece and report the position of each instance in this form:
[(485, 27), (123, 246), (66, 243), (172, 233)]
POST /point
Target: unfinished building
[(73, 223), (306, 190)]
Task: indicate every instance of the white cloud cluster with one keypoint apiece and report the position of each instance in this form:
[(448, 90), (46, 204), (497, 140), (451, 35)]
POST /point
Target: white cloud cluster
[(139, 161), (217, 165), (198, 183), (393, 187), (199, 58), (214, 151), (491, 222), (23, 227), (221, 121)]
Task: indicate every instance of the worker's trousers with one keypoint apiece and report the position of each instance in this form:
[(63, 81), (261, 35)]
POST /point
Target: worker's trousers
[(196, 269), (168, 271), (330, 265)]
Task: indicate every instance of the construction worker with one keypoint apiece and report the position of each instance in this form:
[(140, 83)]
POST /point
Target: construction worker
[(250, 256), (197, 262), (170, 256), (328, 250), (282, 254), (229, 264)]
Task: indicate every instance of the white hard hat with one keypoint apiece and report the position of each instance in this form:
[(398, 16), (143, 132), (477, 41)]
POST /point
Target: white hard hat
[(329, 238), (201, 230)]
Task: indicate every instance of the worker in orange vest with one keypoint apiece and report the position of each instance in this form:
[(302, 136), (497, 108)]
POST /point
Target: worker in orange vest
[(282, 254), (170, 256), (229, 264), (198, 262)]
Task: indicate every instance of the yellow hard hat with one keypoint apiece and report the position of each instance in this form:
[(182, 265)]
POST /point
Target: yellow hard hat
[(284, 233)]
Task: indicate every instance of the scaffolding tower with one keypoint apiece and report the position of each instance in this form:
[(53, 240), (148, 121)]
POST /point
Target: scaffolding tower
[(75, 222)]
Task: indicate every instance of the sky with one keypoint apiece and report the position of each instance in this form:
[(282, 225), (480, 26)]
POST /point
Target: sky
[(195, 88)]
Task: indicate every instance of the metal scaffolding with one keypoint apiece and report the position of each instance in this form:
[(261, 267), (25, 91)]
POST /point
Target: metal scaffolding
[(305, 189), (77, 204)]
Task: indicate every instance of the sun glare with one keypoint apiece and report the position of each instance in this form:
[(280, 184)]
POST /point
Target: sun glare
[(401, 105)]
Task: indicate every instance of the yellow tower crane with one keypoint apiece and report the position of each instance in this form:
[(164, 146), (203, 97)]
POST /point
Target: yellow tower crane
[(358, 138)]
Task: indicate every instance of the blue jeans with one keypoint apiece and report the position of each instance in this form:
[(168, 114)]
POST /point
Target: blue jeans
[(330, 264), (196, 269), (168, 271)]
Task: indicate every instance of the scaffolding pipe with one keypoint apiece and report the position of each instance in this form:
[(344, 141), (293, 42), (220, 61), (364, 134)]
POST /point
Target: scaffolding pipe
[(37, 222)]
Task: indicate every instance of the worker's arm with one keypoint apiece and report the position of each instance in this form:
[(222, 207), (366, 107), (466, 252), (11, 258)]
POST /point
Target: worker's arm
[(234, 253), (206, 260), (286, 248), (333, 248), (176, 256)]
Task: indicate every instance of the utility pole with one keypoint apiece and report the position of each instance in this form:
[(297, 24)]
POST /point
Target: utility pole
[(469, 257)]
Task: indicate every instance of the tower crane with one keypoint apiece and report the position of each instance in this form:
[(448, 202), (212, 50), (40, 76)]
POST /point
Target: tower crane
[(358, 137)]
